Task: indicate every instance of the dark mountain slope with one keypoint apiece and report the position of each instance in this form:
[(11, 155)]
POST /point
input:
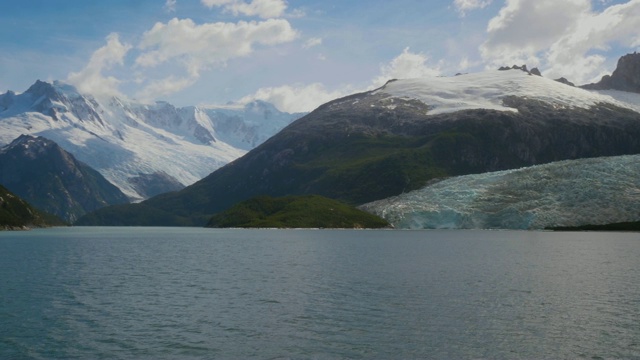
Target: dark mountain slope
[(16, 213), (51, 179)]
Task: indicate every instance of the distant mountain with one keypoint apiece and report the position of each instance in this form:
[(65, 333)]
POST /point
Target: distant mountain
[(17, 214), (398, 138), (248, 126), (143, 149), (626, 76), (567, 193), (51, 179)]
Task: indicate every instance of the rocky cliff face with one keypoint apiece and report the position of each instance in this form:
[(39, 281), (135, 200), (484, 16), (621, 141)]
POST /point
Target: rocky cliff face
[(626, 76), (51, 179)]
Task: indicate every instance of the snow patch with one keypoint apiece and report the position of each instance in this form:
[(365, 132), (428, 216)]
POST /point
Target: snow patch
[(486, 90)]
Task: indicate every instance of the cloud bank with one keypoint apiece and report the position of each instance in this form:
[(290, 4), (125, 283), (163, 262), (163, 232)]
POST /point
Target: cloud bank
[(462, 6), (265, 9), (91, 79), (562, 36), (200, 47)]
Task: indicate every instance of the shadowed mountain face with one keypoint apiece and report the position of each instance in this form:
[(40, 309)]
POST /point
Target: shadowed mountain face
[(51, 179), (17, 214), (626, 76)]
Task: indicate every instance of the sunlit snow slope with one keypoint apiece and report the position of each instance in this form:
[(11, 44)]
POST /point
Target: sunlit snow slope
[(567, 193), (127, 141), (486, 90)]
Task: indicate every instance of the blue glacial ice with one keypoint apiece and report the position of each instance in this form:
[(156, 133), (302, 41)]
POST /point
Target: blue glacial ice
[(567, 193)]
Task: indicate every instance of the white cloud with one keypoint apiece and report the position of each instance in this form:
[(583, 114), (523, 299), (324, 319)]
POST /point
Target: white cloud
[(207, 44), (462, 6), (300, 98), (312, 42), (199, 47), (572, 55), (297, 98), (560, 35), (169, 85), (91, 79), (170, 6), (265, 9), (406, 65)]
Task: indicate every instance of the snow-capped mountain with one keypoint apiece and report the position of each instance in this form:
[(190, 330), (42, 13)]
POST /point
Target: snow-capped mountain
[(125, 141), (567, 193), (403, 136), (487, 90), (247, 126)]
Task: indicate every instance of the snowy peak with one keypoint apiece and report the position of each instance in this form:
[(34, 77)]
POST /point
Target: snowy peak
[(43, 90), (141, 148), (59, 101), (248, 126), (30, 146), (487, 90), (188, 122)]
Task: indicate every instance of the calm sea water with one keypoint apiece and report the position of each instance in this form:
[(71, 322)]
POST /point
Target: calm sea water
[(167, 293)]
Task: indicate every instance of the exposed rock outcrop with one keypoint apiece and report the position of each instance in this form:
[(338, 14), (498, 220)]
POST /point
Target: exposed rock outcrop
[(564, 80), (626, 76)]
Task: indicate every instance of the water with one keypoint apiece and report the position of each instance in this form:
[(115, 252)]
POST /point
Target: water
[(156, 293)]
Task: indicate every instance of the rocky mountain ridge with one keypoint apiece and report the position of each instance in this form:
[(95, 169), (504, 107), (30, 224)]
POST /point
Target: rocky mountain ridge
[(626, 76), (127, 141), (52, 180)]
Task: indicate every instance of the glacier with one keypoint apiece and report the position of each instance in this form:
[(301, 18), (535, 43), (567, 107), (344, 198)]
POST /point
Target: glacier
[(125, 140), (566, 193)]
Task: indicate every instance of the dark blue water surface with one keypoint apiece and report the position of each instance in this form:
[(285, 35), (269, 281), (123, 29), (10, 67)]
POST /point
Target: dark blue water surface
[(173, 293)]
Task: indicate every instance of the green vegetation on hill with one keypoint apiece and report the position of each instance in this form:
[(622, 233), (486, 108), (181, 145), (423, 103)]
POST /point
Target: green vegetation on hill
[(311, 211), (16, 213)]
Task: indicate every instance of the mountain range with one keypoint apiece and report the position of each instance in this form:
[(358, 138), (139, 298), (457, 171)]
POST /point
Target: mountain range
[(409, 134), (143, 149)]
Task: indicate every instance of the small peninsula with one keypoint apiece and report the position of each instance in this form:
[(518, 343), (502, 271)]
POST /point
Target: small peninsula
[(310, 211)]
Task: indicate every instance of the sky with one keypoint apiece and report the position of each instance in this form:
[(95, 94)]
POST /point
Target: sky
[(299, 54)]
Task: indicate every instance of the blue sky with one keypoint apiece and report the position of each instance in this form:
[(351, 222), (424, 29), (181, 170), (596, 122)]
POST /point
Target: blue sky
[(299, 53)]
